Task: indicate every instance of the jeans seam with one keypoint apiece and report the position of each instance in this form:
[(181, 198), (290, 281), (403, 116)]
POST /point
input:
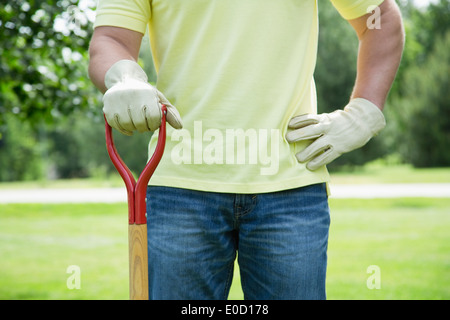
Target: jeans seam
[(229, 280), (243, 284)]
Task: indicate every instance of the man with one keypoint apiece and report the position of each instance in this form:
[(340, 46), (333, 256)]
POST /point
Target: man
[(244, 167)]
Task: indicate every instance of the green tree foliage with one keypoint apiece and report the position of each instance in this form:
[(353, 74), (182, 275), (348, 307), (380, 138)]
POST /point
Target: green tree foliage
[(43, 70), (419, 108), (43, 46), (20, 156), (422, 27), (426, 109), (43, 81), (51, 123)]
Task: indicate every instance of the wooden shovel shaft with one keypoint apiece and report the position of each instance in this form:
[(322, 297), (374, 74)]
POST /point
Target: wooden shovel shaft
[(137, 242)]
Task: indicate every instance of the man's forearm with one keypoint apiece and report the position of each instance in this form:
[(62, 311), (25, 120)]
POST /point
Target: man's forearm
[(379, 56), (109, 45)]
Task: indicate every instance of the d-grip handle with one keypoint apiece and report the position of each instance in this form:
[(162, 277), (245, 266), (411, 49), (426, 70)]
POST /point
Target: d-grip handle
[(136, 191)]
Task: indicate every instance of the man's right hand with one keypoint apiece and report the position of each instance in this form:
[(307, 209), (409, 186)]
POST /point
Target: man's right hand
[(131, 103)]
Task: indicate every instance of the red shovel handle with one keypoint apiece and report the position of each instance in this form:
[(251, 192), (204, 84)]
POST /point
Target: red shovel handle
[(136, 191)]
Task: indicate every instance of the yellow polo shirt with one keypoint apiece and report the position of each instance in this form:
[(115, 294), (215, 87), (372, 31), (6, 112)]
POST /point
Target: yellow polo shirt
[(237, 71)]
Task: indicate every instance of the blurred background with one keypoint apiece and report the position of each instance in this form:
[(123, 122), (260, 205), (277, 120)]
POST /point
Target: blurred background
[(52, 129), (50, 113)]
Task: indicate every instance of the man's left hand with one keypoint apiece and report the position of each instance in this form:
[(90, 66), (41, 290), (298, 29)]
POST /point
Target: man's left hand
[(335, 133)]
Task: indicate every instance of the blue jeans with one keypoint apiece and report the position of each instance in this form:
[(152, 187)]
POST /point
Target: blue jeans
[(194, 237)]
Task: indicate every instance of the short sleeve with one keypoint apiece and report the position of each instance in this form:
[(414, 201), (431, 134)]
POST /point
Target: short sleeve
[(352, 9), (128, 14)]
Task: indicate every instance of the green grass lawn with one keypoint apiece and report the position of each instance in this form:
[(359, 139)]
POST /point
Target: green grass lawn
[(407, 239), (39, 242)]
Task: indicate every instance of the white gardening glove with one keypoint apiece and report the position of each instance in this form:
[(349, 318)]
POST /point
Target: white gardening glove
[(131, 103), (335, 133)]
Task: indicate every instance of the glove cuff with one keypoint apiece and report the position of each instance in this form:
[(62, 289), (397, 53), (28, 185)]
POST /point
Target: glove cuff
[(368, 112), (124, 69)]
